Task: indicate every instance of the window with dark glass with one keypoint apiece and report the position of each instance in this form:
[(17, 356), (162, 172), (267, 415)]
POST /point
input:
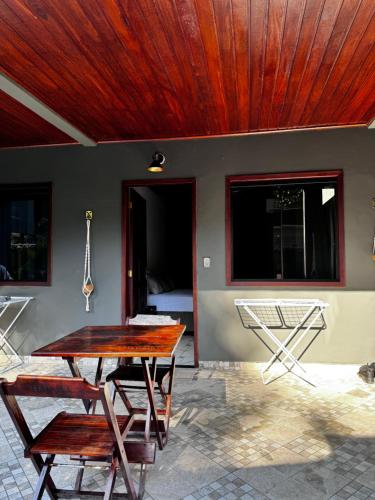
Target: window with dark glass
[(24, 233), (285, 229)]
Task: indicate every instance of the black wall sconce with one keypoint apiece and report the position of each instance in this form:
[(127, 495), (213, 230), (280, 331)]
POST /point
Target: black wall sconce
[(158, 162)]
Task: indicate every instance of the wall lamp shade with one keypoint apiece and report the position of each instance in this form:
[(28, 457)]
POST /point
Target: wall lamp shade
[(158, 162)]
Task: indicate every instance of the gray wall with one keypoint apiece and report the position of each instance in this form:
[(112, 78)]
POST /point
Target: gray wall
[(90, 178)]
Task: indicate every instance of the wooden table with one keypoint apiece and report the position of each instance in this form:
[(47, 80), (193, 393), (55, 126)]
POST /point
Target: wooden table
[(119, 342)]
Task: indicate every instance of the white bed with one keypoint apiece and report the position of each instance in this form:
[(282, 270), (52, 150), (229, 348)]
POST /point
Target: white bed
[(174, 301)]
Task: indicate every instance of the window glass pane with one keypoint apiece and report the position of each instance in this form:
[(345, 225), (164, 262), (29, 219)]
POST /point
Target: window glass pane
[(24, 232), (285, 231)]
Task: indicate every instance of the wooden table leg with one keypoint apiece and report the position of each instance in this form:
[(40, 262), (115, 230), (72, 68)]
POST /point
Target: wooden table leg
[(77, 374), (151, 409), (98, 379), (168, 402), (148, 410)]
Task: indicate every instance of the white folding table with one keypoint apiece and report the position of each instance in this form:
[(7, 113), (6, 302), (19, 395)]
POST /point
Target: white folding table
[(300, 318), (11, 309)]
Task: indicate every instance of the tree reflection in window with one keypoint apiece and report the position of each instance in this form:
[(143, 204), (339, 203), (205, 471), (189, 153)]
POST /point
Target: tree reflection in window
[(25, 232)]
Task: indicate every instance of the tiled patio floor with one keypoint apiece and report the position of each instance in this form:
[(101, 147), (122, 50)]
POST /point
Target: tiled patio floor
[(234, 438), (185, 351)]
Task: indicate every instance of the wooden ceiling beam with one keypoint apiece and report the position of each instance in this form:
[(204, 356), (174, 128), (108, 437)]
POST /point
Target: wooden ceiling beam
[(24, 97)]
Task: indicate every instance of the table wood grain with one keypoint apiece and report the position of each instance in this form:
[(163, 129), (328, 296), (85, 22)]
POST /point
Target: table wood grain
[(116, 342)]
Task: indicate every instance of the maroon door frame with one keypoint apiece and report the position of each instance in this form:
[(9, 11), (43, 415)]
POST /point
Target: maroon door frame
[(124, 260)]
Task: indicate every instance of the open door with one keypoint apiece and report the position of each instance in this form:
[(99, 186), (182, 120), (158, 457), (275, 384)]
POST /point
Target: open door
[(144, 216), (137, 253)]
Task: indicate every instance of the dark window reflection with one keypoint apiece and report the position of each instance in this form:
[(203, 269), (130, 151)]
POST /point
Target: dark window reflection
[(285, 231), (24, 232)]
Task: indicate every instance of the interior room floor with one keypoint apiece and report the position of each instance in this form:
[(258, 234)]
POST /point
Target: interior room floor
[(232, 437), (185, 351)]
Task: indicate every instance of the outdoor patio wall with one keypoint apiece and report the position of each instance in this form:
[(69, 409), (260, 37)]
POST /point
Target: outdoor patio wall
[(90, 178)]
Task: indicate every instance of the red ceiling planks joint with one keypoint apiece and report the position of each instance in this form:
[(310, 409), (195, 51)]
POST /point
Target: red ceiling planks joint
[(156, 69)]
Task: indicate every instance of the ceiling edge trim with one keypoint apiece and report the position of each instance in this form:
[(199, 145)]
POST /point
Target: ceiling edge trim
[(238, 134), (24, 97)]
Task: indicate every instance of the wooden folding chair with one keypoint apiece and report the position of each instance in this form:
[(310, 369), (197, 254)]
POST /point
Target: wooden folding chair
[(134, 372), (83, 437)]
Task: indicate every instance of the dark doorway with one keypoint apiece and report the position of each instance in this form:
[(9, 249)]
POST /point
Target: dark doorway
[(160, 257)]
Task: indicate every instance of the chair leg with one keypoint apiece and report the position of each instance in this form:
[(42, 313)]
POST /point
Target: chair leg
[(142, 481), (38, 463), (125, 470), (123, 396), (78, 483), (162, 391), (149, 377), (111, 480), (43, 476)]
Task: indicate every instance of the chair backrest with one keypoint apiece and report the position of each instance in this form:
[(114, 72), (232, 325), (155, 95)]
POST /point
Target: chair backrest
[(50, 387), (152, 319)]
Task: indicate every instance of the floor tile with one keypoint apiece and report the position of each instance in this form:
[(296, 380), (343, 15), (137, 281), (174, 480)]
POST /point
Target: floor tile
[(231, 437), (325, 481), (288, 489)]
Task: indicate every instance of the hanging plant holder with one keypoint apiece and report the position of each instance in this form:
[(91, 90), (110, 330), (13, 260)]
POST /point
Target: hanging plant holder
[(88, 285)]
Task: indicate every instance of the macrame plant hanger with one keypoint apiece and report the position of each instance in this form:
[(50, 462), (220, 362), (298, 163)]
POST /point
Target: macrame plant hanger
[(88, 285)]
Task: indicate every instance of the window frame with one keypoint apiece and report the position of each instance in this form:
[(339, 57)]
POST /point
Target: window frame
[(48, 282), (285, 176)]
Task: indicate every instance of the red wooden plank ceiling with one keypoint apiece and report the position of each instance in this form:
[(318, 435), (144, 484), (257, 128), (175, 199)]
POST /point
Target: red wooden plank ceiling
[(21, 127), (148, 69)]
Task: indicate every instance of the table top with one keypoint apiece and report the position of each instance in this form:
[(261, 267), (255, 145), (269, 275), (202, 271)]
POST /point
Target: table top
[(116, 342)]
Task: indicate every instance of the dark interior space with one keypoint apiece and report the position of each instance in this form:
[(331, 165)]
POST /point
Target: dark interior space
[(177, 200), (160, 257), (160, 254), (285, 231)]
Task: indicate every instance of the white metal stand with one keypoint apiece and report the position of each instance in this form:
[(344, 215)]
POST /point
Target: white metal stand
[(5, 304), (299, 317)]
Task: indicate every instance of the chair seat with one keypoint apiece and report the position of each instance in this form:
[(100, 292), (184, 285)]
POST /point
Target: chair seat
[(134, 373), (137, 452), (77, 434)]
